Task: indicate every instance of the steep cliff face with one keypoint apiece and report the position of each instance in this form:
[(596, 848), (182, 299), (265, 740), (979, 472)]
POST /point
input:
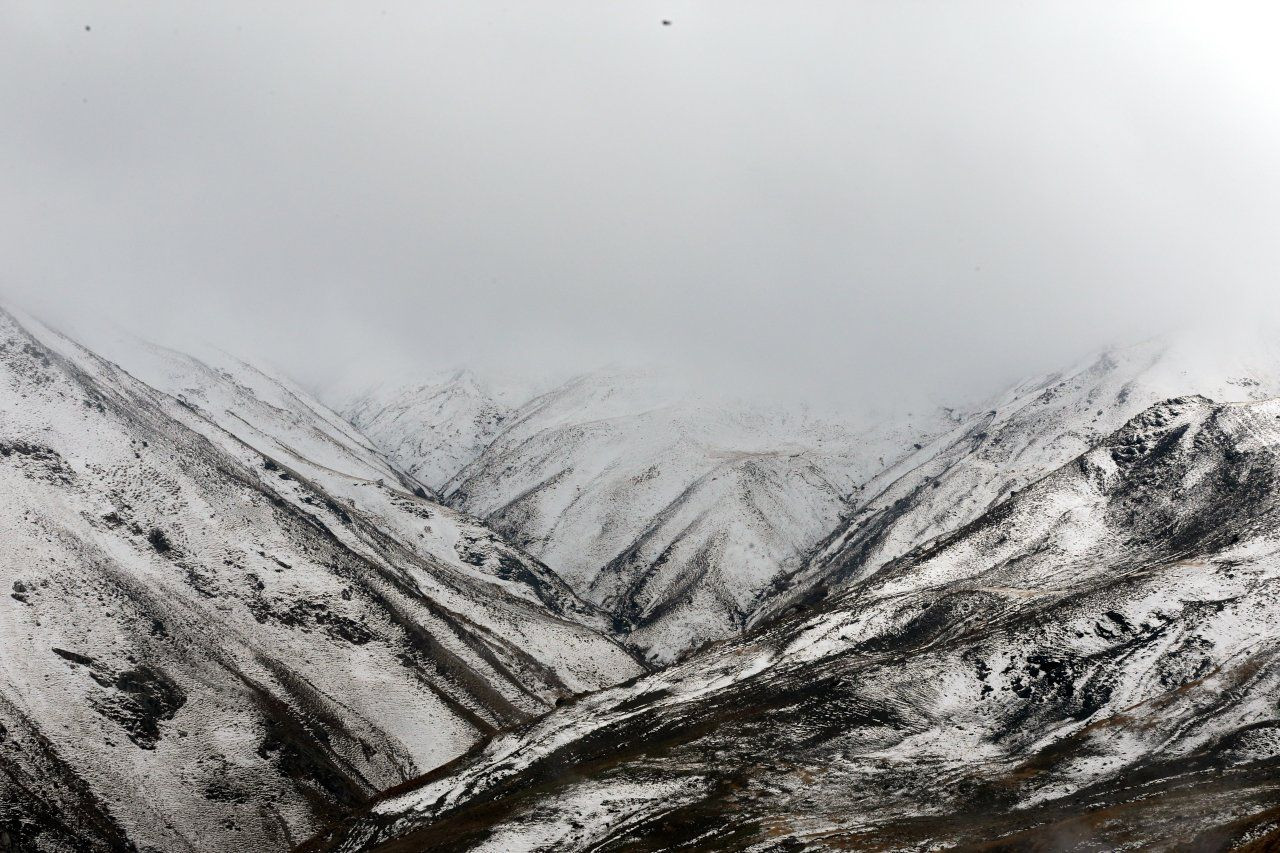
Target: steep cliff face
[(1090, 664), (225, 616)]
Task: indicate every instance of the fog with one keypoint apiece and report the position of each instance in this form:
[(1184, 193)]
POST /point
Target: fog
[(841, 200)]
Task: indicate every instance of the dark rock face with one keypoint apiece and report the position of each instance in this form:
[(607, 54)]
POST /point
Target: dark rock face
[(140, 699), (1092, 664), (159, 541)]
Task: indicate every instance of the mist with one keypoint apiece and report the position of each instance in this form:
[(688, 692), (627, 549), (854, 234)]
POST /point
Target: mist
[(846, 201)]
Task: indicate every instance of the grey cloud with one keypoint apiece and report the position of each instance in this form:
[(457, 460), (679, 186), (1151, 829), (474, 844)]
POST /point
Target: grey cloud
[(836, 199)]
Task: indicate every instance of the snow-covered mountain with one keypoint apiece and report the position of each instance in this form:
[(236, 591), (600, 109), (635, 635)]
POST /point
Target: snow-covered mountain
[(1018, 438), (269, 413), (1090, 664), (671, 510), (434, 426), (227, 616), (234, 616)]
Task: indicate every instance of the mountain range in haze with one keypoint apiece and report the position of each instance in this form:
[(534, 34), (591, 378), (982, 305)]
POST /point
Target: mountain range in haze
[(613, 613)]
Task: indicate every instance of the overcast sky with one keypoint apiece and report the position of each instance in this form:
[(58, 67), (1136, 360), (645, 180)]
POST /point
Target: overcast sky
[(837, 198)]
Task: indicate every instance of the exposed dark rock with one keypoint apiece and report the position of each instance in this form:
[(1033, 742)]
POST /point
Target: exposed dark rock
[(159, 541)]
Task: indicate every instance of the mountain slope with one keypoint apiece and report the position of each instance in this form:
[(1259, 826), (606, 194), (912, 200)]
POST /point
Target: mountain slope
[(209, 646), (672, 511), (433, 427), (1090, 664), (268, 413), (1029, 431)]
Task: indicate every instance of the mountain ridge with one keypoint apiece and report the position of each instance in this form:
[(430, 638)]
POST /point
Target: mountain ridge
[(1049, 623), (1093, 646), (674, 511), (1024, 433), (212, 645)]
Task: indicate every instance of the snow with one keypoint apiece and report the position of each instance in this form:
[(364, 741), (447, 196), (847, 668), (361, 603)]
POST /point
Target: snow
[(1060, 647), (1022, 435), (1062, 597), (673, 509), (433, 425), (245, 559), (594, 805)]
